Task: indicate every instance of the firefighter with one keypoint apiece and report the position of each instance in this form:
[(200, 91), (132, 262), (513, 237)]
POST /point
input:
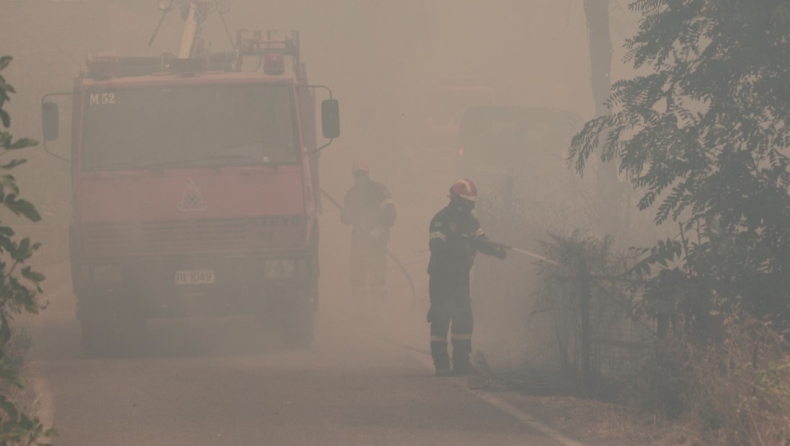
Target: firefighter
[(368, 207), (455, 237)]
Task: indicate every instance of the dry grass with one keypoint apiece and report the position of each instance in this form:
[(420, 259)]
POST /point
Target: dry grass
[(598, 423), (605, 423), (744, 386), (735, 392)]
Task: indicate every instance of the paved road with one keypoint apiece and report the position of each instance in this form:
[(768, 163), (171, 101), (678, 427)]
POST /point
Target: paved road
[(220, 381), (188, 386)]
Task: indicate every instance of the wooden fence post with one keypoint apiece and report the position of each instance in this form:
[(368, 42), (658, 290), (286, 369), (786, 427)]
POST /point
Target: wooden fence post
[(585, 335)]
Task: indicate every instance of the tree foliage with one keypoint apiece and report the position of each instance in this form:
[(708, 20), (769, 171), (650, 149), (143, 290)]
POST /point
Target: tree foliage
[(704, 137), (20, 285)]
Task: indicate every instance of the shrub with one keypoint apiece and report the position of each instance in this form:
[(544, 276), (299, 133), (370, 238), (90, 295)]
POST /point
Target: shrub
[(743, 384), (19, 284)]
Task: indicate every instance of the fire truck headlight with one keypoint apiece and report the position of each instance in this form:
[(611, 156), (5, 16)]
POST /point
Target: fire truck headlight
[(107, 274), (280, 269)]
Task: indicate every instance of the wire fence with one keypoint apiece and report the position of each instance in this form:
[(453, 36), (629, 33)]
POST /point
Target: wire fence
[(582, 329)]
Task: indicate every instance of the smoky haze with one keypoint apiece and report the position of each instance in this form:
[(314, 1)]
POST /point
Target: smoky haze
[(391, 65)]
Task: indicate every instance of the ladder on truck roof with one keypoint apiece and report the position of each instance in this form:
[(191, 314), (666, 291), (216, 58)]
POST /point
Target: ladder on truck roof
[(270, 46)]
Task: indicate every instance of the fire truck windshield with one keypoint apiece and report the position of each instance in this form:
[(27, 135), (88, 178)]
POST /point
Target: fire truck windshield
[(208, 125)]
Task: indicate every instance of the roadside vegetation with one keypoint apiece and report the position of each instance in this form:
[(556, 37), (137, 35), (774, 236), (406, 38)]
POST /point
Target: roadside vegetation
[(684, 342), (20, 286), (702, 137)]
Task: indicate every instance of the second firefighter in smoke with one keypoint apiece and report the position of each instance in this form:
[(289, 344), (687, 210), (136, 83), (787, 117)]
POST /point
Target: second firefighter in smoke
[(455, 238), (368, 207)]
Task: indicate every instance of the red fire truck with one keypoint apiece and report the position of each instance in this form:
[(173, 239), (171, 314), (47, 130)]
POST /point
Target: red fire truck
[(195, 185)]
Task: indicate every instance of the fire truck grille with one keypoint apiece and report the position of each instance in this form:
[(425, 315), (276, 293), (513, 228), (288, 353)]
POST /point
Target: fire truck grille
[(192, 236), (220, 234)]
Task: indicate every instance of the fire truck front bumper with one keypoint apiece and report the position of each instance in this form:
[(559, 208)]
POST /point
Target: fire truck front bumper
[(215, 285)]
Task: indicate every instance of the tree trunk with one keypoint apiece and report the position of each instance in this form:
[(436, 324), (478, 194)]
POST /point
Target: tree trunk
[(600, 41)]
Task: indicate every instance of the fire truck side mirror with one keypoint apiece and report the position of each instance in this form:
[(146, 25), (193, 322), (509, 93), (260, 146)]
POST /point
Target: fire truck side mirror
[(50, 121), (330, 118)]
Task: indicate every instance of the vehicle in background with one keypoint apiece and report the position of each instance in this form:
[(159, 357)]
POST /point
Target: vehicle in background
[(444, 108), (432, 129), (195, 185)]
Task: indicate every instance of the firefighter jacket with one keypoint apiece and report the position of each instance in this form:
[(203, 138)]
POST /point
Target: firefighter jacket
[(455, 238), (367, 206)]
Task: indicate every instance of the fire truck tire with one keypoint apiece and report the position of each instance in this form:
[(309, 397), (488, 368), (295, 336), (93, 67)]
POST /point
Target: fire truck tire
[(98, 339), (106, 331), (300, 315), (298, 326)]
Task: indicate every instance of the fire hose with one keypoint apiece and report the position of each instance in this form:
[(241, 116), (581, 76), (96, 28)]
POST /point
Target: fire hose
[(408, 276), (522, 251), (389, 253)]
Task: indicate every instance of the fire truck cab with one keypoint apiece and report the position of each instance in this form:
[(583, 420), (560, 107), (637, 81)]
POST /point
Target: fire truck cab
[(195, 188)]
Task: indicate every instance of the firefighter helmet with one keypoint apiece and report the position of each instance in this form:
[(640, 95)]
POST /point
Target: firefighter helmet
[(464, 188), (360, 167)]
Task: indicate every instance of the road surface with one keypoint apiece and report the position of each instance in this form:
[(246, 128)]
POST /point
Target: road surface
[(221, 381)]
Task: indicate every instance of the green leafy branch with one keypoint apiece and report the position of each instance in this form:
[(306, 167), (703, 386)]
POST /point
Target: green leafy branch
[(20, 285), (705, 138)]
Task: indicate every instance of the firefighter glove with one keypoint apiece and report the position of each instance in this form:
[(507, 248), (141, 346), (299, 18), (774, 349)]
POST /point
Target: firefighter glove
[(500, 252)]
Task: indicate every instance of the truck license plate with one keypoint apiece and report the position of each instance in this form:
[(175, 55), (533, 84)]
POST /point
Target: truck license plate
[(195, 277)]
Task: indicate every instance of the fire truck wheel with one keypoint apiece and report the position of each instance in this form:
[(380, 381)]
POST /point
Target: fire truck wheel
[(298, 326), (107, 331), (98, 339)]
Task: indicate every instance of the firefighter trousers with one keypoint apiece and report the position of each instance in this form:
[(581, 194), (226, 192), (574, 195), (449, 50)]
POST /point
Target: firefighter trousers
[(367, 266), (451, 310)]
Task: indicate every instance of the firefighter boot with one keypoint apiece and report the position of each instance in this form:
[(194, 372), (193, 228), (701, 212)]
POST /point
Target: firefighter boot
[(360, 295), (462, 346), (440, 358), (443, 371)]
